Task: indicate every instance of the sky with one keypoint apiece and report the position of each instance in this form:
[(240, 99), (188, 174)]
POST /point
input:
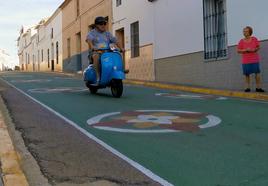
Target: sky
[(16, 13)]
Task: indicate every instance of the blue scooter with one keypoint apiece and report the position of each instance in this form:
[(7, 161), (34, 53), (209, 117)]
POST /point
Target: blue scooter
[(111, 73)]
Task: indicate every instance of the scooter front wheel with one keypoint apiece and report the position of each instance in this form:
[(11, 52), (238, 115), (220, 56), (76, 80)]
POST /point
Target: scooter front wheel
[(93, 90), (117, 88)]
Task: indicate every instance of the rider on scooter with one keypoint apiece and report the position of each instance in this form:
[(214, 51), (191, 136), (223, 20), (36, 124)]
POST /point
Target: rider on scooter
[(97, 39)]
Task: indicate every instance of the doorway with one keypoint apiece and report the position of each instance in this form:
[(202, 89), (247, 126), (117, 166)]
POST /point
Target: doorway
[(52, 57), (78, 51), (120, 35)]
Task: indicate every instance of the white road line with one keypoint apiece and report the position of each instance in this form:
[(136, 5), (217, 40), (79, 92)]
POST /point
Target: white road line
[(253, 101), (144, 170)]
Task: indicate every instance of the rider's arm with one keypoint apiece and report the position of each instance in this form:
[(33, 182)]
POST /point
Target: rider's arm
[(90, 45), (89, 40), (115, 42), (120, 47)]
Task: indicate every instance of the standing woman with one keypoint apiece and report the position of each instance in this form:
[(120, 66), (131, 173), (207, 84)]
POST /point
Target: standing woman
[(248, 47)]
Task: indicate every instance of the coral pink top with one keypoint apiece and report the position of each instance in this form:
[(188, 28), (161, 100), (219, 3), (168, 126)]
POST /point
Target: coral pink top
[(248, 58)]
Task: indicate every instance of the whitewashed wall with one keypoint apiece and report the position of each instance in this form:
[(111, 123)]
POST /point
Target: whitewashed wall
[(178, 27), (41, 45), (56, 24), (45, 41), (241, 13), (131, 11)]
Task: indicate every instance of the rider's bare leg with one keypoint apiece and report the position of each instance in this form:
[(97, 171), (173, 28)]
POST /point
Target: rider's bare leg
[(96, 65)]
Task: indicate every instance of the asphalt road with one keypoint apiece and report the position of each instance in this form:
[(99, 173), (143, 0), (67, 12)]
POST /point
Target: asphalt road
[(174, 138), (64, 154)]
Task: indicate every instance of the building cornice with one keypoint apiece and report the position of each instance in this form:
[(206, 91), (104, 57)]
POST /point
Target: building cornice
[(64, 4), (53, 16)]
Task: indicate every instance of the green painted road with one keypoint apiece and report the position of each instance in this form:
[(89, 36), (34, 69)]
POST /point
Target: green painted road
[(185, 139)]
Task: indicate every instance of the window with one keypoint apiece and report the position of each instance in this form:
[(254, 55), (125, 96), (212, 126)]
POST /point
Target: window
[(42, 55), (52, 34), (57, 52), (48, 58), (38, 56), (77, 7), (28, 58), (215, 29), (78, 43), (68, 47), (135, 43), (118, 3)]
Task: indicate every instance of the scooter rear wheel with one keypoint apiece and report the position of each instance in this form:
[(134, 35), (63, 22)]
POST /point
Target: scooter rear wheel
[(117, 88)]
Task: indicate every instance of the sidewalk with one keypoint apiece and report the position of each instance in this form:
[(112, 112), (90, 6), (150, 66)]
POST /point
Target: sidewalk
[(202, 90), (11, 173)]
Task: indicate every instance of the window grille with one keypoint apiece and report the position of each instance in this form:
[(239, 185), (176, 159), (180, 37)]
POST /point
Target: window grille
[(57, 52), (42, 55), (52, 34), (48, 58), (118, 3), (69, 47), (215, 29), (77, 8), (135, 43)]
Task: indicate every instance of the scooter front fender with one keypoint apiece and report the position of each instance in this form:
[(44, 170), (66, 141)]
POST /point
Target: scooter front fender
[(89, 74), (118, 75)]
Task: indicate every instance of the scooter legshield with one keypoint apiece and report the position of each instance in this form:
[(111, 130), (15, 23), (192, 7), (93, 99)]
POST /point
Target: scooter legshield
[(118, 75), (112, 66), (90, 74)]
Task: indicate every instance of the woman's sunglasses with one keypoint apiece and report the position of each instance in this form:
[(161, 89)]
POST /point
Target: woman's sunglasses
[(103, 23)]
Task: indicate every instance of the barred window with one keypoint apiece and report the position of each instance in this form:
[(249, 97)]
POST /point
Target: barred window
[(135, 43), (77, 8), (215, 29), (52, 33), (57, 52), (118, 3), (48, 58), (69, 47), (42, 55)]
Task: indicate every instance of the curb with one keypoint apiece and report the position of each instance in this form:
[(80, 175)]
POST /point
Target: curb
[(227, 93), (9, 158)]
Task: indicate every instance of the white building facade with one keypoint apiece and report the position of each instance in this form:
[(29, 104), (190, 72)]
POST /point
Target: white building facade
[(133, 25), (193, 41), (52, 44), (40, 48), (26, 49)]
